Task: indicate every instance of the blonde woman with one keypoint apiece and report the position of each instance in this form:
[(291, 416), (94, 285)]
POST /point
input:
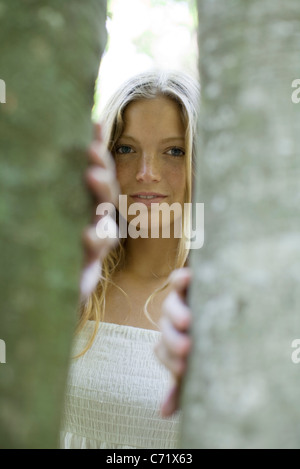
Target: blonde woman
[(116, 384)]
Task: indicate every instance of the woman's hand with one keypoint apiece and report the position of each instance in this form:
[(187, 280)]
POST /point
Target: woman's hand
[(175, 343), (101, 181)]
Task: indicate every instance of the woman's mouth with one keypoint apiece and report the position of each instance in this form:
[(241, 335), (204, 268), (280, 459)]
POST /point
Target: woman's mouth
[(148, 198)]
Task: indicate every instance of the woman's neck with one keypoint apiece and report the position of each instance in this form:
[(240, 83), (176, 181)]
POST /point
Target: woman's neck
[(150, 258)]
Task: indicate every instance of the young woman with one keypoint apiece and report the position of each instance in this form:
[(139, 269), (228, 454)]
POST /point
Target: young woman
[(116, 384)]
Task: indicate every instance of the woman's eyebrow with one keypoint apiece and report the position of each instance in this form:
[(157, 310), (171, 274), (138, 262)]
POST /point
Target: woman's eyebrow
[(128, 137), (164, 140)]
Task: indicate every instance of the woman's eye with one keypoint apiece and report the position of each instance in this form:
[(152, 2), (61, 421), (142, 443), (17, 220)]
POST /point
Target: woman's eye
[(175, 151), (123, 149)]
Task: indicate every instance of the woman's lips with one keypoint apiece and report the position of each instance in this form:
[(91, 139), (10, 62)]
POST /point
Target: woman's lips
[(148, 198)]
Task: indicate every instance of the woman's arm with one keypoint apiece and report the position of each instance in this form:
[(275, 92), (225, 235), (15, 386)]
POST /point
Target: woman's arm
[(175, 344), (101, 181)]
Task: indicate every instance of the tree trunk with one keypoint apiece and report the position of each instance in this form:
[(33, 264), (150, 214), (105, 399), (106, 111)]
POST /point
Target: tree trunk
[(49, 59), (242, 387)]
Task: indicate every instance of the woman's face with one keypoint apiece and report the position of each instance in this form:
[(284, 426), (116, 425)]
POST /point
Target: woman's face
[(150, 154)]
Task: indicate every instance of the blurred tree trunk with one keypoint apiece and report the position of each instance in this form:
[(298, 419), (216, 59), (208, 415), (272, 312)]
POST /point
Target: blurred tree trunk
[(49, 59), (242, 388)]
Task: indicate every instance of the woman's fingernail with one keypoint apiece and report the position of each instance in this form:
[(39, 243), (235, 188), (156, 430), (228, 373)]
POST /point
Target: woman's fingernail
[(89, 279)]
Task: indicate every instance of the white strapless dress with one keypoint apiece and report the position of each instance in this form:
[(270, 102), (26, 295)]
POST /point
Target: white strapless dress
[(115, 390)]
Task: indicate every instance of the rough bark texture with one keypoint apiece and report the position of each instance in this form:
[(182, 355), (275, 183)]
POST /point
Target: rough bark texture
[(242, 388), (49, 59)]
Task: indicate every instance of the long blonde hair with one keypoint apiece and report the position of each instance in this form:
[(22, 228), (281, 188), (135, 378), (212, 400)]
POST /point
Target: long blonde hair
[(184, 90)]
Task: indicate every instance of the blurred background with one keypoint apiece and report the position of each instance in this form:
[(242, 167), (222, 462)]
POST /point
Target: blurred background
[(145, 34)]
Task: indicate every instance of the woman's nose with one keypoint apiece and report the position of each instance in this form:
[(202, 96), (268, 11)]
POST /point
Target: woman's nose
[(148, 169)]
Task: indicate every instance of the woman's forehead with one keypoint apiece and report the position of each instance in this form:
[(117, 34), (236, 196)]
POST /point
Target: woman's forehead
[(160, 114)]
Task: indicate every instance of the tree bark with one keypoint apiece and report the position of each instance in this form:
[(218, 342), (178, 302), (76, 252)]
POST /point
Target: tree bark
[(242, 387), (49, 59)]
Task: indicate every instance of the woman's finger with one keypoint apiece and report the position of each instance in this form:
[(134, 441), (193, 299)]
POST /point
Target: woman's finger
[(171, 402), (175, 364), (90, 277), (103, 183), (99, 155), (96, 247), (95, 250), (176, 310), (180, 280), (176, 343)]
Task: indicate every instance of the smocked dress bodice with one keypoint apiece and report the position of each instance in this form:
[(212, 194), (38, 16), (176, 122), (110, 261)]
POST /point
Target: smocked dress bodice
[(115, 390)]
